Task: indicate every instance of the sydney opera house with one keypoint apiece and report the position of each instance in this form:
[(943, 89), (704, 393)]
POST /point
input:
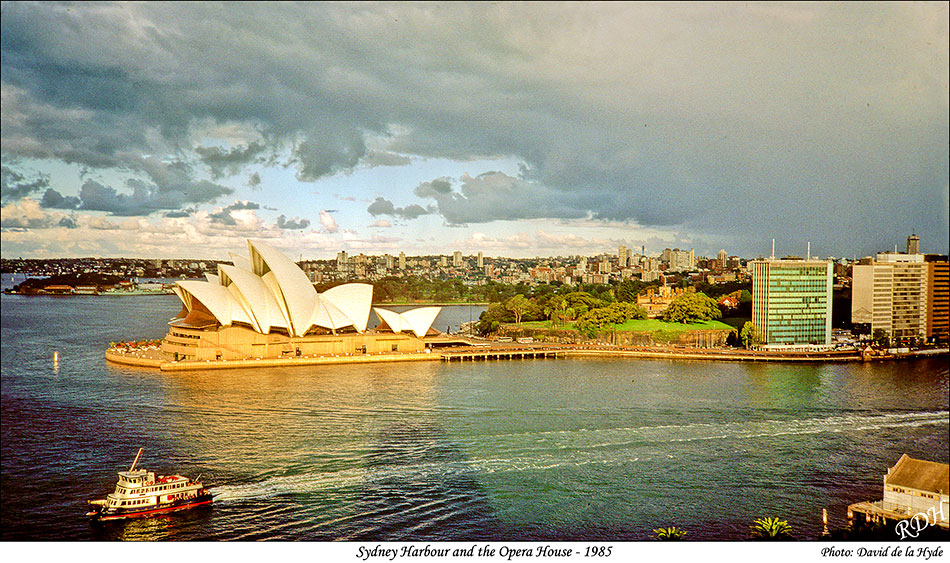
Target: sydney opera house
[(264, 306)]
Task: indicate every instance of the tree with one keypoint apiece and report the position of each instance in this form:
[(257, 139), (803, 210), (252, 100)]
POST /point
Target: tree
[(613, 314), (880, 337), (581, 302), (771, 529), (554, 309), (626, 291), (747, 335), (692, 307), (492, 317), (518, 305), (671, 533)]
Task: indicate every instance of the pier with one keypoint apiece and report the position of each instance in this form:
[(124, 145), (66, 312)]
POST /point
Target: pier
[(503, 354), (153, 357)]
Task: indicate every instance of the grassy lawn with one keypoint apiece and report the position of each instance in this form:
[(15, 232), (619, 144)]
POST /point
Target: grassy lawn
[(640, 325)]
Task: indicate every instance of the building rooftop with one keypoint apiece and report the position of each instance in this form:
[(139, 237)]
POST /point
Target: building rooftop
[(919, 474)]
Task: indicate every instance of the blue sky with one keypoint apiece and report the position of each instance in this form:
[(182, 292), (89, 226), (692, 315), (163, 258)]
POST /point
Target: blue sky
[(166, 130)]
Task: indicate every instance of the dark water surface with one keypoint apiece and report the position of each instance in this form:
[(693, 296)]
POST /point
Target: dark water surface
[(533, 449)]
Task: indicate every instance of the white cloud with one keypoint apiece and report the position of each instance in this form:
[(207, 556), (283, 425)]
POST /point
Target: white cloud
[(329, 224)]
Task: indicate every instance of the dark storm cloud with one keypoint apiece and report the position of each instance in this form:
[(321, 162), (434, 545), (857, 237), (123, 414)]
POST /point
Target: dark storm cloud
[(229, 162), (382, 206), (14, 185), (384, 158), (179, 214), (326, 152), (224, 217), (292, 224), (243, 205), (802, 121), (494, 196), (55, 200), (144, 199)]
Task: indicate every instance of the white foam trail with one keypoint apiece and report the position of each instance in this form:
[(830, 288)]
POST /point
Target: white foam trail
[(550, 450), (289, 484)]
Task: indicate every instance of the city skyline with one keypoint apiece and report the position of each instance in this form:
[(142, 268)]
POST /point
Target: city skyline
[(516, 130)]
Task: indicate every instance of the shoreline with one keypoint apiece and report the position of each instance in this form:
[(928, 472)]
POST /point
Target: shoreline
[(155, 360), (138, 293)]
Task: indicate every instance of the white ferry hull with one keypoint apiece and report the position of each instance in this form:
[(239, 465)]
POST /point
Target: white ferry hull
[(104, 514)]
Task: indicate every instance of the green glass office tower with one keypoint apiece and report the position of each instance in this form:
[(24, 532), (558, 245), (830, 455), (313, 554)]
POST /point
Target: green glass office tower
[(791, 303)]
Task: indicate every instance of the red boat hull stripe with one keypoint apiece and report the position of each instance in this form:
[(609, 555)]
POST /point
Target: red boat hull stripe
[(153, 511)]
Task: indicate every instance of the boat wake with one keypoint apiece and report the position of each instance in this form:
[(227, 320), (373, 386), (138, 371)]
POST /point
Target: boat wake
[(551, 450)]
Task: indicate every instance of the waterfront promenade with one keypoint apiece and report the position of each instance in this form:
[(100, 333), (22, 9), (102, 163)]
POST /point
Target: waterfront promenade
[(152, 357)]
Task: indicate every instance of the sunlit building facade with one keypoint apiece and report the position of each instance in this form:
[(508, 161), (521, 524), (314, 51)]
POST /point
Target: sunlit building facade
[(891, 294), (791, 303), (264, 306)]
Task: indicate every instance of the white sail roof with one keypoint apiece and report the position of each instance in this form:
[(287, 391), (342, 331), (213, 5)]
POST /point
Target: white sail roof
[(240, 261), (255, 300), (328, 315), (293, 291), (354, 300), (270, 291), (215, 298), (419, 320)]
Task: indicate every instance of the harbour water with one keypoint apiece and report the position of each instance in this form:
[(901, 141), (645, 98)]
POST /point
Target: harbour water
[(520, 450)]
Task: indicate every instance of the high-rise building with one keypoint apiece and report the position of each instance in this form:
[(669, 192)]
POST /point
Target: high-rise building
[(457, 259), (622, 256), (913, 244), (582, 266), (938, 297), (444, 261), (481, 260), (681, 260), (891, 294), (341, 261), (722, 257), (402, 260), (791, 303)]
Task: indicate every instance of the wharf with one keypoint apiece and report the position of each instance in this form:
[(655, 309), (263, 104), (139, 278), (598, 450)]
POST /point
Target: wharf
[(887, 514), (503, 354), (152, 357), (155, 359)]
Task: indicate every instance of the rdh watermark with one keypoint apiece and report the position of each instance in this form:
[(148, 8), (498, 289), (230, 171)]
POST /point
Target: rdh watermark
[(913, 526)]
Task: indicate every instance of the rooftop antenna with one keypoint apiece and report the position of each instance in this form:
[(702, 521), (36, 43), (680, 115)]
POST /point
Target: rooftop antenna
[(773, 250), (808, 254)]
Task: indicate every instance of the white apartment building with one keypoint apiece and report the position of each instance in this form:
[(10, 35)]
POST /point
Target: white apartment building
[(890, 294)]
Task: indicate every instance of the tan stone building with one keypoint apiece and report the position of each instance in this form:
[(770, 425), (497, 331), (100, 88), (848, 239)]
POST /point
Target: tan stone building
[(938, 298), (900, 294)]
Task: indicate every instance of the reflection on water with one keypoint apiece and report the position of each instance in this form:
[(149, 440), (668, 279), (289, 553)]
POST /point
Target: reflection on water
[(543, 449), (156, 528)]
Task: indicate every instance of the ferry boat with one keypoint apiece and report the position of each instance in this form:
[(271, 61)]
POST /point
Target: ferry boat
[(139, 494)]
